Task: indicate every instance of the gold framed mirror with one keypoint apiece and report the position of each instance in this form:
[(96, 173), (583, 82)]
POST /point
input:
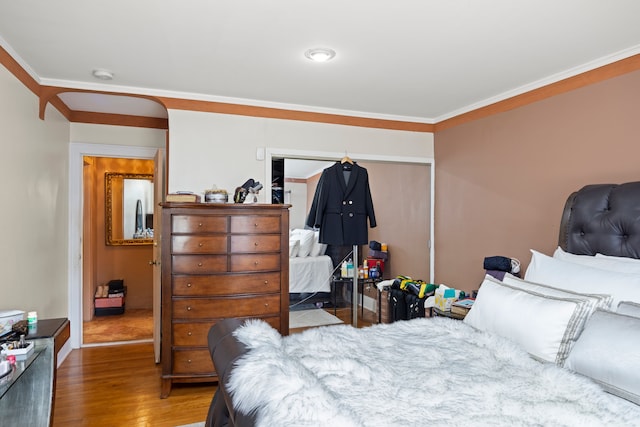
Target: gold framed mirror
[(128, 208)]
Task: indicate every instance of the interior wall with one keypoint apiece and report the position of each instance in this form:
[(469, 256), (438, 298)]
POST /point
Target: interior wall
[(34, 220), (209, 149), (296, 195), (502, 181), (130, 263)]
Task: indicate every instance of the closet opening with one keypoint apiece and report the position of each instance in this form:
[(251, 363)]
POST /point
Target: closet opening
[(402, 193)]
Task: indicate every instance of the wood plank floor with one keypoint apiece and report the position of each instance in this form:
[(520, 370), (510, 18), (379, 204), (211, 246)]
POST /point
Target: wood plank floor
[(120, 386), (132, 325)]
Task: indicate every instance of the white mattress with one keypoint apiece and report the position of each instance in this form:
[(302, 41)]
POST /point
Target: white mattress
[(310, 274)]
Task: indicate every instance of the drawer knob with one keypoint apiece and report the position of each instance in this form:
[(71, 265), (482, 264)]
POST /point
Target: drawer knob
[(199, 264), (189, 361), (189, 308), (255, 244), (266, 282), (188, 285), (200, 224), (189, 333), (256, 262), (266, 304), (255, 225), (200, 244)]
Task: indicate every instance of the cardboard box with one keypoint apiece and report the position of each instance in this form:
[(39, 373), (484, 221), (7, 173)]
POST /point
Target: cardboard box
[(8, 318), (385, 313)]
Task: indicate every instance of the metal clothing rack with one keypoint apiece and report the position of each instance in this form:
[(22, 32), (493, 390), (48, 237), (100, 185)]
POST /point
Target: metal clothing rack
[(354, 290)]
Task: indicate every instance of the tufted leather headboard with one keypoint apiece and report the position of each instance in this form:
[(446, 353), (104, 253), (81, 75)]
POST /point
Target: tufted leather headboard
[(602, 218)]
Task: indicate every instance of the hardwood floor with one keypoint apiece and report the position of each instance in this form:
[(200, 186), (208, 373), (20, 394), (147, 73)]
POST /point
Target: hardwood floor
[(132, 325), (120, 386)]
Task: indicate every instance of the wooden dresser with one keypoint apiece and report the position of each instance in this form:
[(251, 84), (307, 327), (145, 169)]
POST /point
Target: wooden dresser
[(218, 261)]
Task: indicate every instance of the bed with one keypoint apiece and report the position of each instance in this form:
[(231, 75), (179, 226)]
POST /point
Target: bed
[(558, 347), (310, 274), (310, 270)]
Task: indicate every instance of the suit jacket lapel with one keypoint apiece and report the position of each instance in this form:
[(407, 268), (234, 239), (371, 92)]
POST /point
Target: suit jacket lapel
[(340, 177), (352, 180)]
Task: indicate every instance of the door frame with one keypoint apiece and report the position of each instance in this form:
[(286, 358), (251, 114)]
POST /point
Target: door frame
[(77, 151), (270, 153)]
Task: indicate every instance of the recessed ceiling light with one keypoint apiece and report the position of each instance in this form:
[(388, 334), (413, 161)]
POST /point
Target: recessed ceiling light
[(103, 74), (320, 54)]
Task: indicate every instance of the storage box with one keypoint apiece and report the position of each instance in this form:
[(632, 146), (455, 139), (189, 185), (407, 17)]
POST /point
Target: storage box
[(378, 254), (385, 313), (20, 353), (109, 302), (8, 318), (444, 298)]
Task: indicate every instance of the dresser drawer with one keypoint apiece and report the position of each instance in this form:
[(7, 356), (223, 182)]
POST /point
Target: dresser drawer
[(192, 362), (198, 264), (198, 244), (194, 334), (255, 224), (200, 308), (255, 243), (226, 284), (198, 224), (257, 262)]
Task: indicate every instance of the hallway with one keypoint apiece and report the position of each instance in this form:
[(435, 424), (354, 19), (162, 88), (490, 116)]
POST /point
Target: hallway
[(132, 325)]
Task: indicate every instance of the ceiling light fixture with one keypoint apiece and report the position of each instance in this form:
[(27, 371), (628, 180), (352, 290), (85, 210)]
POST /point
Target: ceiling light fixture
[(102, 74), (320, 54)]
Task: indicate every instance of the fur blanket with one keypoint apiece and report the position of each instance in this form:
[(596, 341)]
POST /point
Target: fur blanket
[(423, 372)]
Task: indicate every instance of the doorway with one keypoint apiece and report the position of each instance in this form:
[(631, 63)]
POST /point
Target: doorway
[(77, 288), (117, 247)]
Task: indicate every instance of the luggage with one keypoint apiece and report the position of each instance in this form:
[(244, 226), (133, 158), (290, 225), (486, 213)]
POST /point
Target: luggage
[(407, 297), (397, 305)]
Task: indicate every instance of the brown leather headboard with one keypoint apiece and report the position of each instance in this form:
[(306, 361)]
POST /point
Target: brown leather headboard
[(602, 218)]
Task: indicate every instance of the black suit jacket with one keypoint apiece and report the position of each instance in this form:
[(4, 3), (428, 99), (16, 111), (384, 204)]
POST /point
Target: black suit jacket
[(341, 209)]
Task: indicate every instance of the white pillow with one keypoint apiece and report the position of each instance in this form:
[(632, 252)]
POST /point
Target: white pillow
[(544, 326), (602, 301), (615, 264), (546, 270), (294, 247), (629, 308), (318, 248), (608, 351), (592, 302), (306, 241)]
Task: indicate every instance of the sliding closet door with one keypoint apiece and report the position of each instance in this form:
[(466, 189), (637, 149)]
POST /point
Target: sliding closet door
[(401, 195)]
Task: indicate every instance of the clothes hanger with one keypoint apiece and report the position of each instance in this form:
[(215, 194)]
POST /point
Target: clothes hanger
[(346, 159)]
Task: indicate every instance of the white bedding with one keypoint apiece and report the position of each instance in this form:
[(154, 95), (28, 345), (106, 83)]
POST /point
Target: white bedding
[(310, 274), (435, 372)]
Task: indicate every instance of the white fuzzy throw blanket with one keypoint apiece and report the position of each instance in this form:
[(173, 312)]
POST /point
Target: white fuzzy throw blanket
[(423, 372)]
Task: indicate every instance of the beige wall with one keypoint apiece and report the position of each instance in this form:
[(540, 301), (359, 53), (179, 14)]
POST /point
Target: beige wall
[(208, 148), (34, 190), (501, 182), (117, 135)]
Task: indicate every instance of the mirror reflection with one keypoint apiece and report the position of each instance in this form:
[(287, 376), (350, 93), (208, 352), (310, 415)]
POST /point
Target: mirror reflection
[(129, 208)]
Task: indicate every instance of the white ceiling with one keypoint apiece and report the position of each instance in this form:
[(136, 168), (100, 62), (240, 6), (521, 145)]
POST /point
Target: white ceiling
[(417, 60)]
